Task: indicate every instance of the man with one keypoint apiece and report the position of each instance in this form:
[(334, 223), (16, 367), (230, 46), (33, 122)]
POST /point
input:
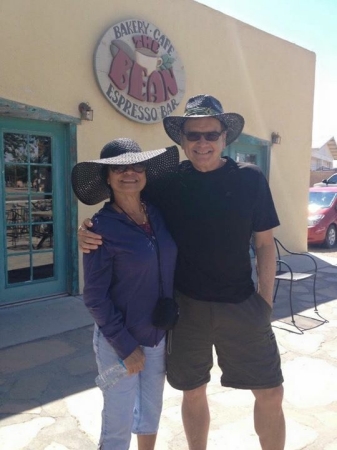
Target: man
[(212, 205)]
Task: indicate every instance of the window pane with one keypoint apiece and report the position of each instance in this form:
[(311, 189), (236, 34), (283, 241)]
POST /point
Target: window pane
[(41, 177), (17, 180), (17, 239), (43, 265), (18, 269), (40, 149), (15, 148)]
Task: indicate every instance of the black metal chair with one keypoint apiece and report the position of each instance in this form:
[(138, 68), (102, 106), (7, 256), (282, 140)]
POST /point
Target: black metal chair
[(284, 272)]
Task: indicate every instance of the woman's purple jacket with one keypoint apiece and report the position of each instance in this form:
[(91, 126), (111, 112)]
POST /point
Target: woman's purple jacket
[(121, 278)]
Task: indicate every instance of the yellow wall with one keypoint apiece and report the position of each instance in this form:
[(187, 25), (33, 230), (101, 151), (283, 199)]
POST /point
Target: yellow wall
[(46, 56)]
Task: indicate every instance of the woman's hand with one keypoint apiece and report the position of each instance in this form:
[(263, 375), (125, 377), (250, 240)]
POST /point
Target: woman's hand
[(135, 362), (87, 240)]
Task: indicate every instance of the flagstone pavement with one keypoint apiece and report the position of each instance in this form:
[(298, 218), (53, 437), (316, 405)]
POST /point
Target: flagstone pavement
[(48, 399)]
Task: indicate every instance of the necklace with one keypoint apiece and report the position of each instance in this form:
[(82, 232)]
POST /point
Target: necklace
[(137, 219), (144, 213), (145, 225)]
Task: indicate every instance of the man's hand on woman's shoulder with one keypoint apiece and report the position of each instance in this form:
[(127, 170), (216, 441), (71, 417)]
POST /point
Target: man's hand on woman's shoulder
[(87, 240)]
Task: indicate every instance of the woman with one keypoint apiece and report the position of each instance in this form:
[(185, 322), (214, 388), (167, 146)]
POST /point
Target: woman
[(123, 281)]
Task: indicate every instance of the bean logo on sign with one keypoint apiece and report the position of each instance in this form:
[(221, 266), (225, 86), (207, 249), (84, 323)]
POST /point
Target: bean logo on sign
[(139, 71)]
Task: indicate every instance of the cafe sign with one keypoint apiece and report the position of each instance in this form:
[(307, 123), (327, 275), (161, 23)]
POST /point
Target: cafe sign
[(139, 71)]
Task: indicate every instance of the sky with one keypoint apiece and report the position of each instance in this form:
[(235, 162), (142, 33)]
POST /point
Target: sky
[(311, 24)]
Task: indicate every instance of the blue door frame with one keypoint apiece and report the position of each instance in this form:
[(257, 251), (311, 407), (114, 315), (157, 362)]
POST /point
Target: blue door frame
[(37, 223), (252, 150)]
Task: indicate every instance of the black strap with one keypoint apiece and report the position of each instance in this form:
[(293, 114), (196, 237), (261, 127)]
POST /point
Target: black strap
[(154, 241)]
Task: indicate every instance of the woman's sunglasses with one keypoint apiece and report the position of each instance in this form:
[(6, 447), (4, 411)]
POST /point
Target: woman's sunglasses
[(138, 167), (195, 136)]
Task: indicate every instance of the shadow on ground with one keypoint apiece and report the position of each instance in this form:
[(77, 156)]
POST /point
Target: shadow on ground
[(39, 372)]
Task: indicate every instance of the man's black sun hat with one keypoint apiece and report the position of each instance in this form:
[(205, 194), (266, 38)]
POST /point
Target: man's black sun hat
[(204, 106)]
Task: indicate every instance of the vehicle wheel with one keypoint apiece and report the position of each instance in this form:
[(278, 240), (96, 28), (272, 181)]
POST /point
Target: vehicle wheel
[(330, 237)]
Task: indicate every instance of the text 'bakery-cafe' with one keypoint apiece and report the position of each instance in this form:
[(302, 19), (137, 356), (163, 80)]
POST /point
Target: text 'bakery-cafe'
[(100, 71)]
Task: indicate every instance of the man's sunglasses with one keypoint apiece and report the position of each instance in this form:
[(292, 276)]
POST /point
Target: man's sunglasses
[(195, 136), (138, 167)]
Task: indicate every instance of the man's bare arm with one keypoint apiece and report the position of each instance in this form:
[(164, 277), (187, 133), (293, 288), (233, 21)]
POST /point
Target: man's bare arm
[(265, 264), (87, 240)]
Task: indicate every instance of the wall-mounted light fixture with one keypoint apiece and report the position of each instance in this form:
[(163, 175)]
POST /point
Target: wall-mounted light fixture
[(85, 111), (275, 138)]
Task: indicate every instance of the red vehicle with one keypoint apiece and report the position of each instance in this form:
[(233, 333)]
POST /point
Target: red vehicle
[(322, 216)]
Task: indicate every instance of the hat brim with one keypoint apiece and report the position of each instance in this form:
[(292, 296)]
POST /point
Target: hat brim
[(91, 187), (129, 157), (233, 122)]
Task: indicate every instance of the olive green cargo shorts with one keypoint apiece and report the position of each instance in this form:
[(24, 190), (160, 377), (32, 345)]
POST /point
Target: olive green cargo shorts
[(243, 339)]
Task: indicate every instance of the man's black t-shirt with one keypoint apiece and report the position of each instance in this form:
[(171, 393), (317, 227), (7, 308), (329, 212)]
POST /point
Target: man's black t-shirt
[(211, 216)]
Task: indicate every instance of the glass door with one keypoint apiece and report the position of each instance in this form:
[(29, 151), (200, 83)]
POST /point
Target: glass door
[(33, 210)]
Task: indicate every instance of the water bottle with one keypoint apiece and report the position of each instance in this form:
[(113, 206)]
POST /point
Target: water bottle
[(111, 376)]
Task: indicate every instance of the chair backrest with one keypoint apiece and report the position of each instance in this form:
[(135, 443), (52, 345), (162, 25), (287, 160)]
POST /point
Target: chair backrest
[(281, 258), (278, 247)]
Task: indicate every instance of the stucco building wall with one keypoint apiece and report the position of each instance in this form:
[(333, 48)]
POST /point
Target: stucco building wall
[(46, 58)]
